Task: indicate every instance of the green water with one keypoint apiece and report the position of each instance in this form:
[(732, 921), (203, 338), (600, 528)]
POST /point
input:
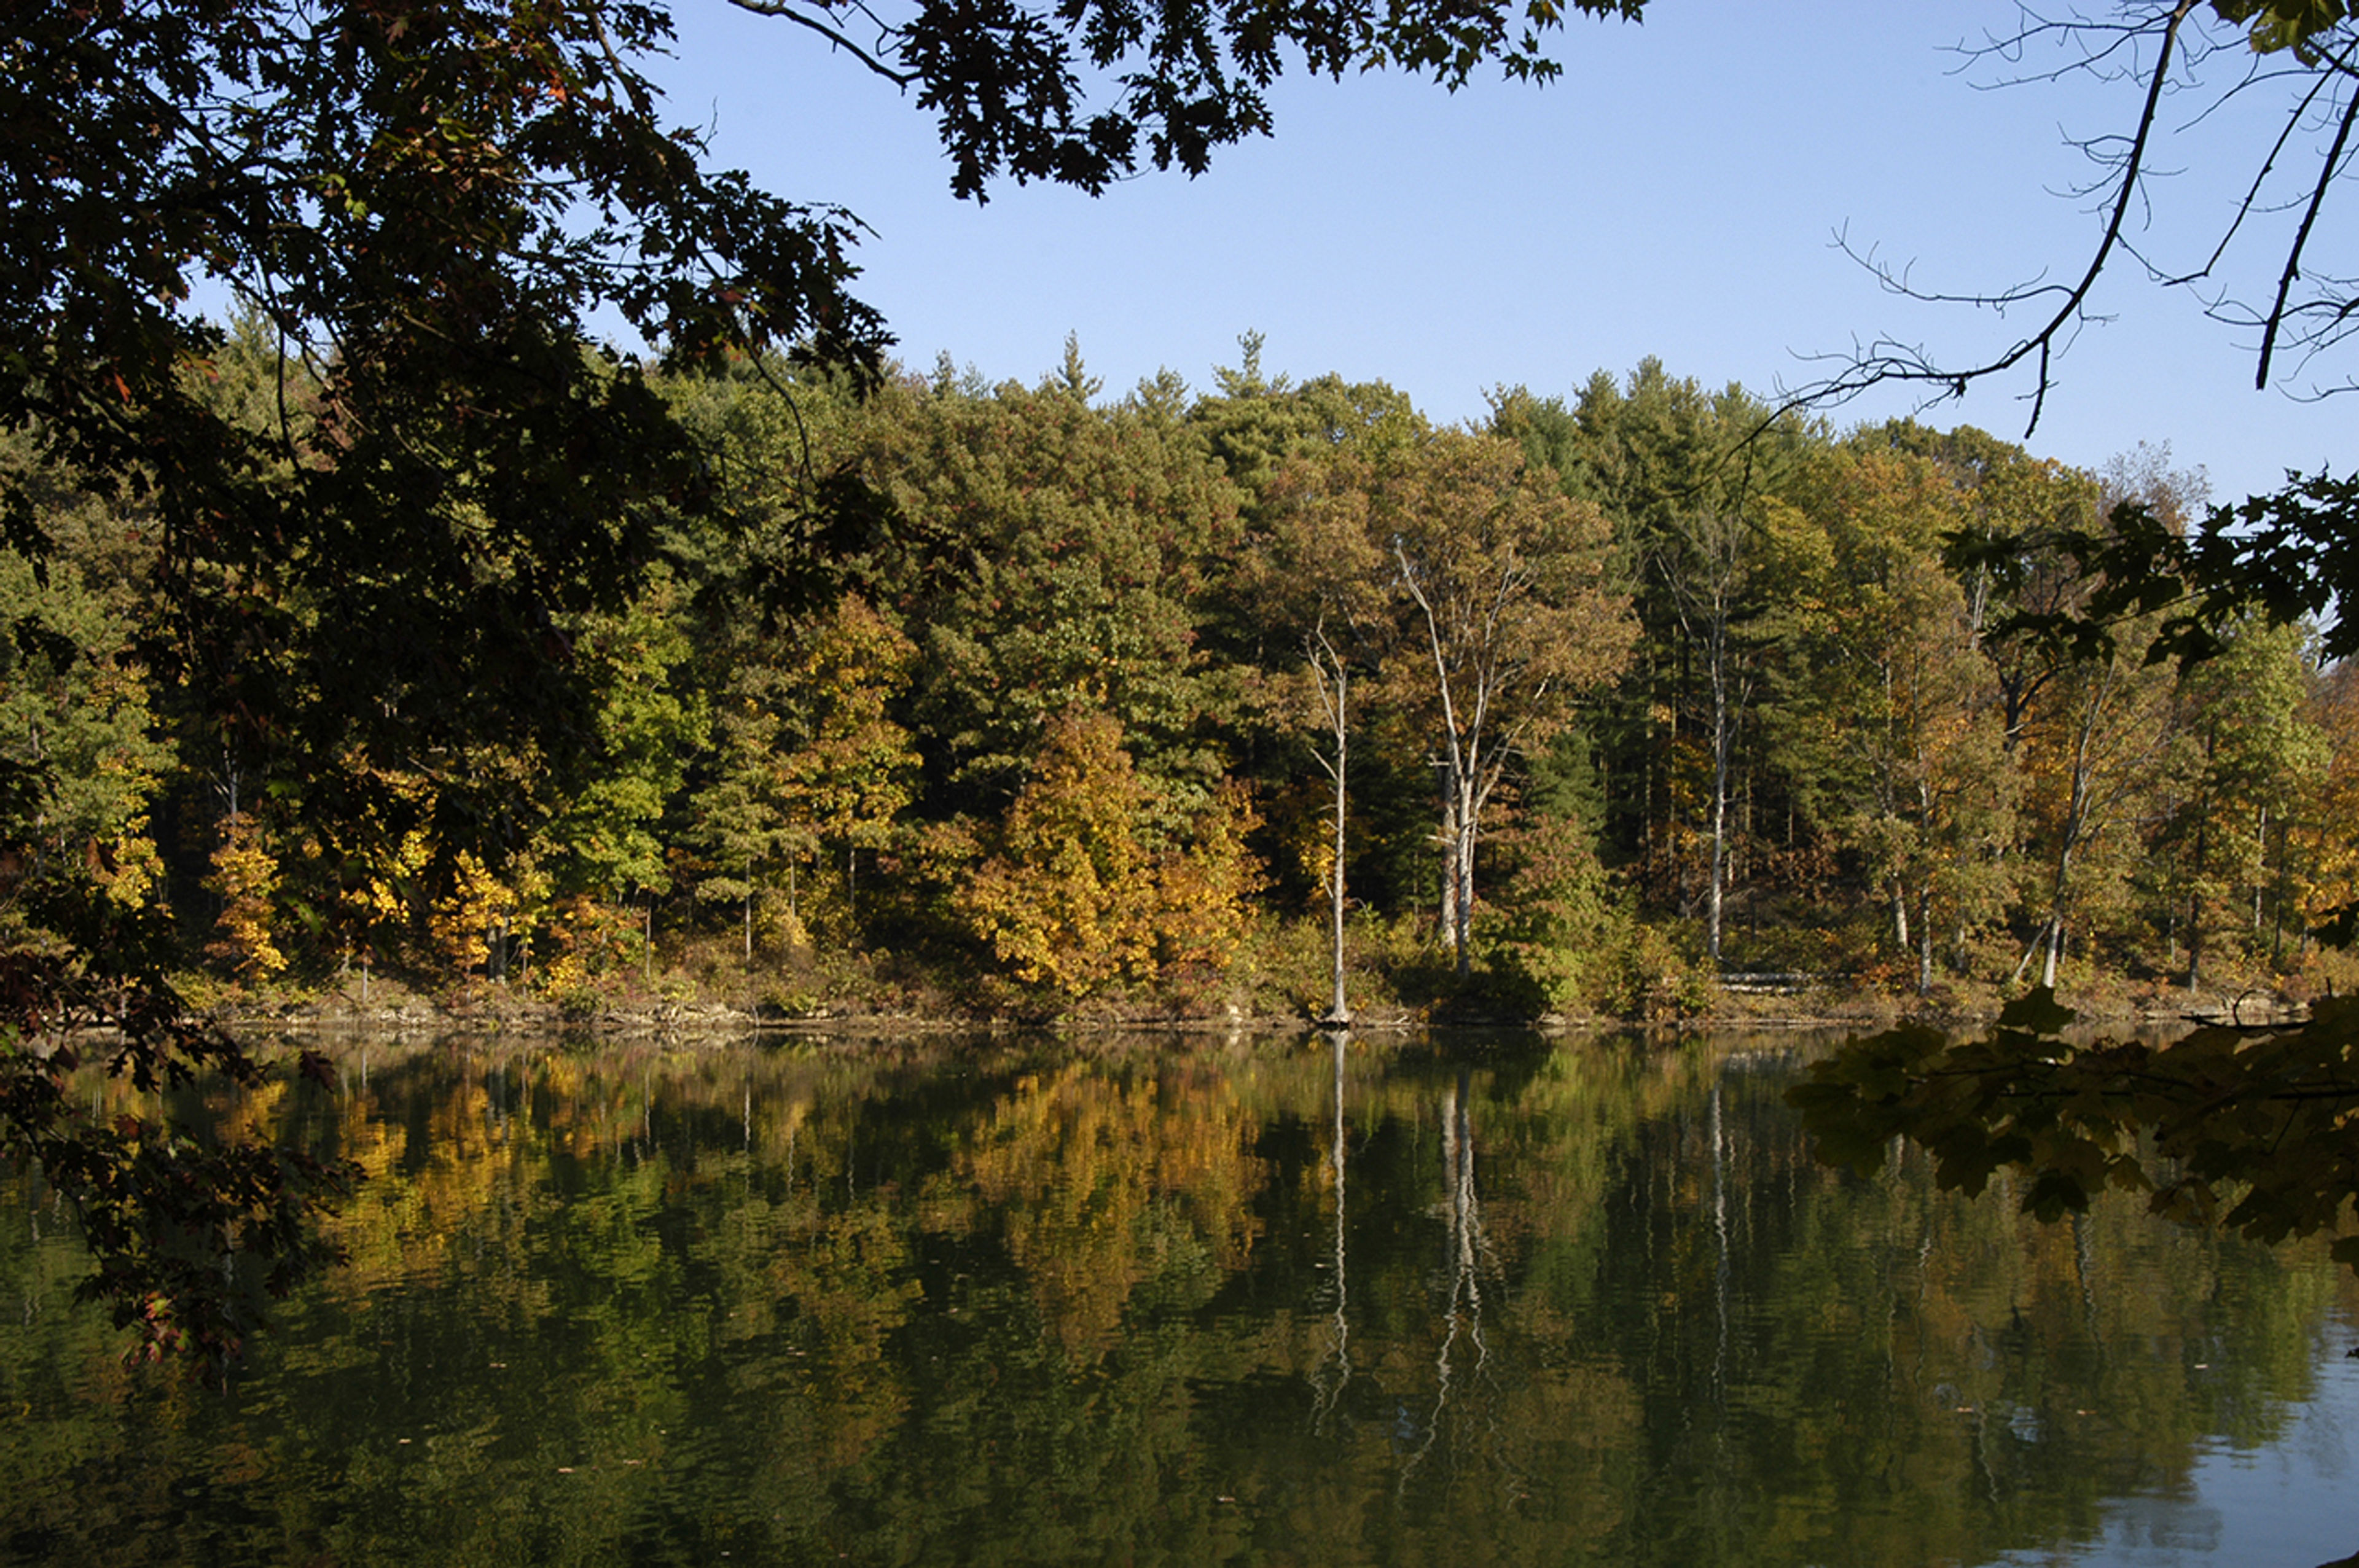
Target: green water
[(1481, 1301)]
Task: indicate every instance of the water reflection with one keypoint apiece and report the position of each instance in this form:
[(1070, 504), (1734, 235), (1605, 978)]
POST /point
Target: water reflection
[(1333, 1373), (1330, 1301)]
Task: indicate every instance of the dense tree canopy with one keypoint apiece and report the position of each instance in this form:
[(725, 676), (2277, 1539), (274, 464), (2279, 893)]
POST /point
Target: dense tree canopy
[(401, 510), (1054, 733), (2155, 581), (364, 607)]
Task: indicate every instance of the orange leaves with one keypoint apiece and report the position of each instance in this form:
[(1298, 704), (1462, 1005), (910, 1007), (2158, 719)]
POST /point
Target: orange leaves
[(1065, 902), (1203, 890), (1073, 903)]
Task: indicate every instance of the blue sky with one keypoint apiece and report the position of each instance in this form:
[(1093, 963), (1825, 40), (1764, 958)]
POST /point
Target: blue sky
[(1675, 193)]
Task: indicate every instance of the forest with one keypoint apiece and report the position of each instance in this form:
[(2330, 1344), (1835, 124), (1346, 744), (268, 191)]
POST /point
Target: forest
[(940, 696)]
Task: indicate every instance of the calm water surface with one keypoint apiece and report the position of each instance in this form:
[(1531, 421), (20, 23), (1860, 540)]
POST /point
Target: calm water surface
[(1481, 1301)]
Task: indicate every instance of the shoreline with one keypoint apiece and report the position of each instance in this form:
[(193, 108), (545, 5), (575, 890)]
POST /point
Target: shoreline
[(1864, 1012)]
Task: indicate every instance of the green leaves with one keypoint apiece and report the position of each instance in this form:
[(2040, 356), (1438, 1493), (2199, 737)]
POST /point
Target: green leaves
[(2275, 25), (2291, 555)]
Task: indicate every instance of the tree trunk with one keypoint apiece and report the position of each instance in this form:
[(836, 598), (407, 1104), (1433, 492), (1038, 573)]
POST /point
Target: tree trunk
[(1336, 700), (2261, 863), (1339, 1006), (1463, 864), (1447, 917), (1924, 939), (1715, 897)]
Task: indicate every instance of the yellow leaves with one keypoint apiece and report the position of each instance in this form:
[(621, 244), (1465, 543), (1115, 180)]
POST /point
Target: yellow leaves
[(463, 919), (1063, 903), (383, 891), (2331, 851), (127, 867), (1073, 903), (245, 878), (590, 939), (1099, 1181), (853, 773), (1203, 890)]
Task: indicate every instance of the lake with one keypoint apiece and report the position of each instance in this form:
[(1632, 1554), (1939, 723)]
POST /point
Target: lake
[(1476, 1299)]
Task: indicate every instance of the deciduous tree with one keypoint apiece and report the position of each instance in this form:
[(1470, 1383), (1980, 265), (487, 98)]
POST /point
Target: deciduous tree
[(1889, 709), (849, 769), (1503, 582), (1066, 900)]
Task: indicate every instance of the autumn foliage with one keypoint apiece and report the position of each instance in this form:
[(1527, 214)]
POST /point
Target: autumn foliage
[(1106, 698)]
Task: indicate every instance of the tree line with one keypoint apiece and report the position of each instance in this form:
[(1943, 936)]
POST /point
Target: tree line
[(1274, 693)]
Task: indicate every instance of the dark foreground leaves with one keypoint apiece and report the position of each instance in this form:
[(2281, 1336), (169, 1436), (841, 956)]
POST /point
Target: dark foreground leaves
[(189, 1236), (2254, 1128)]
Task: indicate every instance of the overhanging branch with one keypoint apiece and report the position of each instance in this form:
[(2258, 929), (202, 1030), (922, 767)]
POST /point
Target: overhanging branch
[(1884, 362), (871, 57)]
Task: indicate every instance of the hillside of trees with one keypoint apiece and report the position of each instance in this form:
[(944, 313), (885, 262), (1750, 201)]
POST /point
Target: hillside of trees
[(1035, 700)]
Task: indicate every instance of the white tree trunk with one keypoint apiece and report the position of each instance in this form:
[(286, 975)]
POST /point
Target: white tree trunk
[(1334, 696)]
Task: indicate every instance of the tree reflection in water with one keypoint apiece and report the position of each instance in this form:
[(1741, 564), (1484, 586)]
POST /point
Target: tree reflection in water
[(1332, 1374), (1014, 1300)]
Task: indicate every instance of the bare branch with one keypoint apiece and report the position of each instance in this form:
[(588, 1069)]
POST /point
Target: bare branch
[(872, 57), (1885, 362), (2326, 171)]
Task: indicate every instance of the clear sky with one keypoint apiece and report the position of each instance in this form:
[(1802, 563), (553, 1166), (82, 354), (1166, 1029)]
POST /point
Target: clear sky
[(1675, 193)]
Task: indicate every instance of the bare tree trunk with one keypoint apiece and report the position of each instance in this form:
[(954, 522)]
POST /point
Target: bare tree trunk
[(2278, 885), (1723, 745), (1924, 938), (1338, 1008), (2195, 912), (2081, 808), (1476, 739), (2261, 863), (2038, 941), (1462, 808), (1334, 698), (1446, 919), (2194, 940), (1714, 903), (1704, 581)]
